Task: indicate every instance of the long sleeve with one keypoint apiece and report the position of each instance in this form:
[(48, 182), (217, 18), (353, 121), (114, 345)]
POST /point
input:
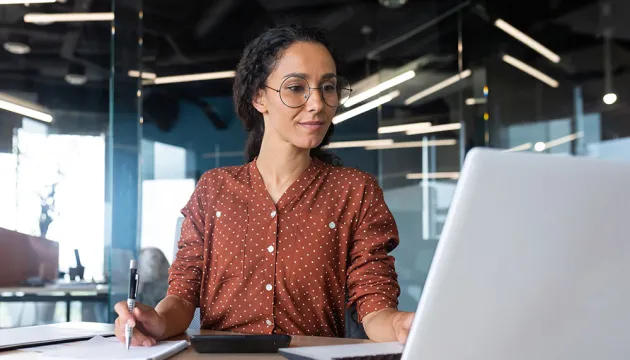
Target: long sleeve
[(186, 272), (372, 278)]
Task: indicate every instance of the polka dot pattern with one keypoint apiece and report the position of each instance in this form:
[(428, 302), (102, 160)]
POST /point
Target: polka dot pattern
[(291, 267)]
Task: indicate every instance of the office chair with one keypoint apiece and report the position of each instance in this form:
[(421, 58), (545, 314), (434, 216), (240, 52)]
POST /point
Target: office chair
[(153, 267)]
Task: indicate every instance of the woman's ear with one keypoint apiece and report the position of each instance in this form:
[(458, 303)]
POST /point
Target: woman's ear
[(259, 102)]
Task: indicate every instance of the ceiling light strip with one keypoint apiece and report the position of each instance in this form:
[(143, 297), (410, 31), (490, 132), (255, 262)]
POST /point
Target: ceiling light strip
[(475, 101), (413, 144), (437, 87), (25, 111), (531, 71), (194, 77), (12, 2), (520, 36), (397, 80), (402, 128), (434, 129), (358, 143), (365, 107), (563, 140), (145, 75), (435, 175), (521, 147), (68, 17)]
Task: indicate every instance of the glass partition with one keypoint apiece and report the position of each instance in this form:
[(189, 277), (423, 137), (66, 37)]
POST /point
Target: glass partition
[(54, 125), (425, 125)]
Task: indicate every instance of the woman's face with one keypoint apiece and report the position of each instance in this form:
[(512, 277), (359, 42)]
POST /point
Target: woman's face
[(301, 125)]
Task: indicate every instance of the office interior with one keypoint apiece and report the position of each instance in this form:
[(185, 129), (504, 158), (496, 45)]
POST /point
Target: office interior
[(111, 110)]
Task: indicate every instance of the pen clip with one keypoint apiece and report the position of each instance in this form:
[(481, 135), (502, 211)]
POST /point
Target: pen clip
[(137, 283)]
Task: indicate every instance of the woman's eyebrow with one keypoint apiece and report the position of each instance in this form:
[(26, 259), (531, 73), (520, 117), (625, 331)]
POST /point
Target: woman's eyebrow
[(306, 76), (302, 75)]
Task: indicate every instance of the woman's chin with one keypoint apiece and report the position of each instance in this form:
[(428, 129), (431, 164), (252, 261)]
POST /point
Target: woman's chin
[(309, 143)]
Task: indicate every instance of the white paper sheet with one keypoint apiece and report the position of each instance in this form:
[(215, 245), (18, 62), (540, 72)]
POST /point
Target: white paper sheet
[(110, 348), (10, 338)]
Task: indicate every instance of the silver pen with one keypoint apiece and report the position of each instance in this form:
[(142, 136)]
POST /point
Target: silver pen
[(131, 300)]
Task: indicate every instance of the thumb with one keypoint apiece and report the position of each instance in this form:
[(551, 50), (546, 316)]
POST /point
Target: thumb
[(408, 320)]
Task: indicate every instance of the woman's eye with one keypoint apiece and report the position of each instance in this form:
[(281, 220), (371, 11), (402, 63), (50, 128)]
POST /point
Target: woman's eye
[(296, 88), (329, 87)]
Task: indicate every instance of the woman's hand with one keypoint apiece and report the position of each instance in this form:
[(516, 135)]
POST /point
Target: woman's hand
[(402, 323), (148, 325), (388, 325)]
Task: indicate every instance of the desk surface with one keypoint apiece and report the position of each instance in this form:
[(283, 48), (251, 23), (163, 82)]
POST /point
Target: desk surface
[(296, 341), (56, 288)]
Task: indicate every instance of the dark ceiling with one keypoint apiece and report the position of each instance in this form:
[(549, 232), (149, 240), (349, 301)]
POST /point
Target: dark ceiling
[(189, 36)]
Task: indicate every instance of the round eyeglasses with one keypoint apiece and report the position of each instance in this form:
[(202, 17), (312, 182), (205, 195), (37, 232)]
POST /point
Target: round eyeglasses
[(295, 91)]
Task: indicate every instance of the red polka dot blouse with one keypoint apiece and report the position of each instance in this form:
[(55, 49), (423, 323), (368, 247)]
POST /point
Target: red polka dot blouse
[(253, 266)]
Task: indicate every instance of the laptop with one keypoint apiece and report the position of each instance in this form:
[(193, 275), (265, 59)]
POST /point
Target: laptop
[(533, 263)]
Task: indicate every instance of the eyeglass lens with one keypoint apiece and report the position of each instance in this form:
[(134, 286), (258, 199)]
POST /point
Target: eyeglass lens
[(295, 91)]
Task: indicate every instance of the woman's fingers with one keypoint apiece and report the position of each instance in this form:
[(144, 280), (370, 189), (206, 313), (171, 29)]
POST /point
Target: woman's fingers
[(123, 313), (137, 339)]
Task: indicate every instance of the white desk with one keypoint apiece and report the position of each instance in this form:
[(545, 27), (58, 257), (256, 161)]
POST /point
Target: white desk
[(190, 354), (64, 292)]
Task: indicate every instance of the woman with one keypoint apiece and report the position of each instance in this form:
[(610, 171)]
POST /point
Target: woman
[(284, 243)]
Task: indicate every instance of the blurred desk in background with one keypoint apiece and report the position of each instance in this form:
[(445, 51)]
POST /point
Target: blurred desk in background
[(62, 292)]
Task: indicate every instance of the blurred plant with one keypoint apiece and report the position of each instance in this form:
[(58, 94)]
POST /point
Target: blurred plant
[(48, 212)]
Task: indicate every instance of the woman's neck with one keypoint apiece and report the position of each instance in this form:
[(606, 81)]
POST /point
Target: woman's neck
[(280, 164)]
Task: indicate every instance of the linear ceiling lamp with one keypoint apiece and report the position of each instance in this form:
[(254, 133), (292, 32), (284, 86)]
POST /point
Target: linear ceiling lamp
[(434, 129), (365, 107), (435, 175), (24, 108), (396, 80), (437, 87), (67, 17), (558, 141), (476, 101), (412, 144), (520, 36), (358, 143), (521, 147), (145, 75), (192, 77), (531, 71), (12, 2), (402, 128)]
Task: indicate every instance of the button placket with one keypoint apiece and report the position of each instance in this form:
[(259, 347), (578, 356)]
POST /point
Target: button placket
[(272, 243)]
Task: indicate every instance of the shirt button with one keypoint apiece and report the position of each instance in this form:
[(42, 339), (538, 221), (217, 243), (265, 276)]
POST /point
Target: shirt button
[(270, 249), (331, 225), (268, 287), (273, 213), (218, 214), (268, 322)]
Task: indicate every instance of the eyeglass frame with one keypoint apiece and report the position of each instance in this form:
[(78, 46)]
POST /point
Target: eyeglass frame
[(309, 91)]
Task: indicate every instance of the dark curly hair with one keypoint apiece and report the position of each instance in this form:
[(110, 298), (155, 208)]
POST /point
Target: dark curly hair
[(257, 62)]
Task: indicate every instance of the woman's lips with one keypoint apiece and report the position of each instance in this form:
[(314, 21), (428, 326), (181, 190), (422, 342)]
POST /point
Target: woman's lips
[(312, 125)]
